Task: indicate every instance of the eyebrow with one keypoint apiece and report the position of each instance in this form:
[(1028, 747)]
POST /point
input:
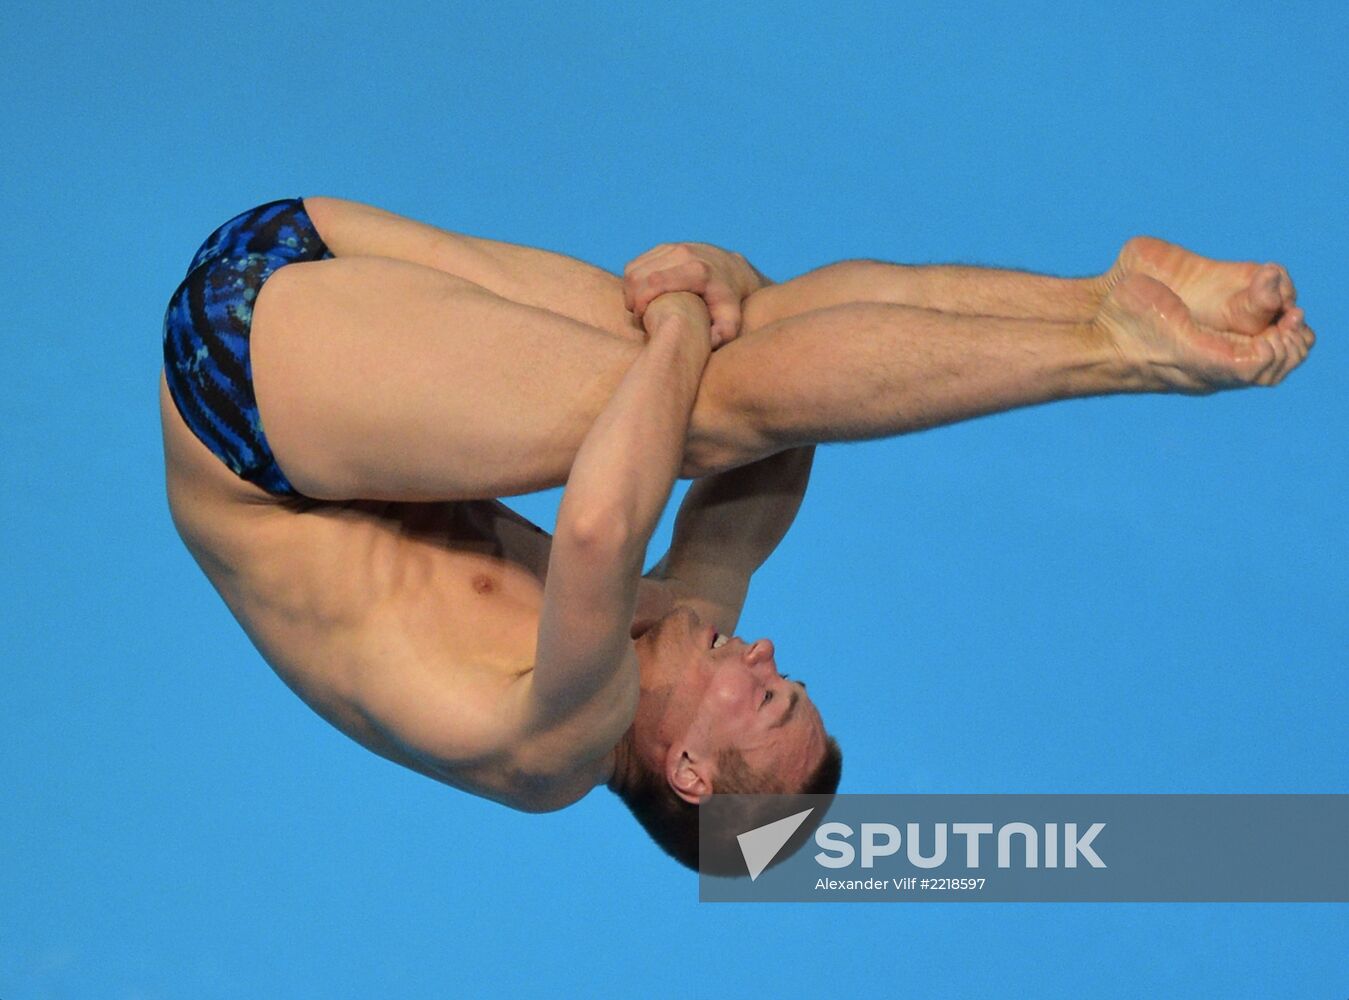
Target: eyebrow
[(791, 707)]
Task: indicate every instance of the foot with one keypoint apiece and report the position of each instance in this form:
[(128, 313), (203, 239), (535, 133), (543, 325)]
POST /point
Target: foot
[(1165, 349), (1244, 298)]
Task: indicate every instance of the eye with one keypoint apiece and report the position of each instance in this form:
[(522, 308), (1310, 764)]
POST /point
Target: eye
[(767, 697)]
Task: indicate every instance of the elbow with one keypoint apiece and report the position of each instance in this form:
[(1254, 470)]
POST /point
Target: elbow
[(601, 531)]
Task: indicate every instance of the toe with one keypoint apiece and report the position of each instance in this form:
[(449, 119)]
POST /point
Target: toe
[(1287, 292), (1260, 360), (1307, 338), (1252, 309), (1266, 290), (1291, 319), (1275, 371)]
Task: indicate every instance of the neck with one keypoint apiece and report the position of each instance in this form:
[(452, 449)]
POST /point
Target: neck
[(644, 745), (618, 765)]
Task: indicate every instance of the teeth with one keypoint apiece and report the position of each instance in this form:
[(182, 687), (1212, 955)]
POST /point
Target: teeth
[(720, 641)]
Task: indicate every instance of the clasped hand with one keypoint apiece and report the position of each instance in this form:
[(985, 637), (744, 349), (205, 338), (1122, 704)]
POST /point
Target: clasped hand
[(722, 278)]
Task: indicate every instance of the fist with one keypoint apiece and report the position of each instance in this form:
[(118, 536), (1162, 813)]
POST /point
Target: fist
[(718, 276)]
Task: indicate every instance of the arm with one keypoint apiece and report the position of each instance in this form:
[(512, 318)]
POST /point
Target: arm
[(728, 525), (618, 486)]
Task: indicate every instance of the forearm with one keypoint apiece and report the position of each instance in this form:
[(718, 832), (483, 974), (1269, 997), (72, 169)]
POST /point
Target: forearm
[(627, 464), (619, 483), (734, 520)]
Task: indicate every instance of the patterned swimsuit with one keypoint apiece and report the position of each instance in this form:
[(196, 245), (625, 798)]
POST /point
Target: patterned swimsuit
[(206, 327)]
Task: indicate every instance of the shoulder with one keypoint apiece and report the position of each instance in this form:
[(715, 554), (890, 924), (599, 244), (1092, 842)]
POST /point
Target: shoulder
[(555, 746), (534, 792), (538, 762), (482, 728)]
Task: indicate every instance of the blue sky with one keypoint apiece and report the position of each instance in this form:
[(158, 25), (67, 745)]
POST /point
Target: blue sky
[(1131, 594)]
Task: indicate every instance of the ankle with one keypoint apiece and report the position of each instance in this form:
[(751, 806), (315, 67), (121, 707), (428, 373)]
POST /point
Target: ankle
[(1117, 363), (1097, 289)]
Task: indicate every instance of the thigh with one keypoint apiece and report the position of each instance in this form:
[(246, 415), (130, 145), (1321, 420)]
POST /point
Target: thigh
[(527, 275), (382, 379)]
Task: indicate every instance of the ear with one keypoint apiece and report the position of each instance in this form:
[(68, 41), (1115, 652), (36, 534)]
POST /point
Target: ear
[(690, 777)]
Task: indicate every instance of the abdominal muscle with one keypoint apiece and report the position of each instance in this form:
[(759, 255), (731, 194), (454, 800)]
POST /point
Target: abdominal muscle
[(359, 606)]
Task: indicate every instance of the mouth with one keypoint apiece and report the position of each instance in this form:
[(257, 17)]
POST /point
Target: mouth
[(719, 640)]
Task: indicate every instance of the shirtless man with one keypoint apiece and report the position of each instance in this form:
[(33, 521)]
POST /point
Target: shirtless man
[(407, 376)]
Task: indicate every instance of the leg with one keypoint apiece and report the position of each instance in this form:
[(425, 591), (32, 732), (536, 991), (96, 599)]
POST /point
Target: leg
[(866, 370), (382, 379), (971, 291), (593, 296), (532, 277), (1243, 297)]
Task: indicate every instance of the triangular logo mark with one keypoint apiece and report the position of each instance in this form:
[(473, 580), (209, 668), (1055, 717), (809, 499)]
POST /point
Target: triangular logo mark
[(761, 845)]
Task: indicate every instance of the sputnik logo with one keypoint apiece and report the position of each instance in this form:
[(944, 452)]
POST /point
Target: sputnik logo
[(761, 845)]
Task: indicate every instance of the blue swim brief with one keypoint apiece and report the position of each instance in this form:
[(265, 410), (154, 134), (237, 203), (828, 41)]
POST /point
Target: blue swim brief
[(206, 360)]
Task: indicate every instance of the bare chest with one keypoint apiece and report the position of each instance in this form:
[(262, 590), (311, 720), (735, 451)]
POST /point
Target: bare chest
[(341, 599), (463, 582)]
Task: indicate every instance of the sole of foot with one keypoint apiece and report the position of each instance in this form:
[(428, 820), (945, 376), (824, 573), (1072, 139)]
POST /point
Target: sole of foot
[(1241, 297)]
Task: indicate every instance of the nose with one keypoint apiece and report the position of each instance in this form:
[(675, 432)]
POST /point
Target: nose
[(761, 651)]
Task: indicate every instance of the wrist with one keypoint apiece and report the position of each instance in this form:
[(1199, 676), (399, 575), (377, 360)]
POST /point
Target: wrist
[(678, 315), (687, 345)]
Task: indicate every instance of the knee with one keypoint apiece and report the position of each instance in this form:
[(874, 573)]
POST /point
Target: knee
[(846, 280), (727, 429), (760, 308), (706, 456), (854, 277)]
